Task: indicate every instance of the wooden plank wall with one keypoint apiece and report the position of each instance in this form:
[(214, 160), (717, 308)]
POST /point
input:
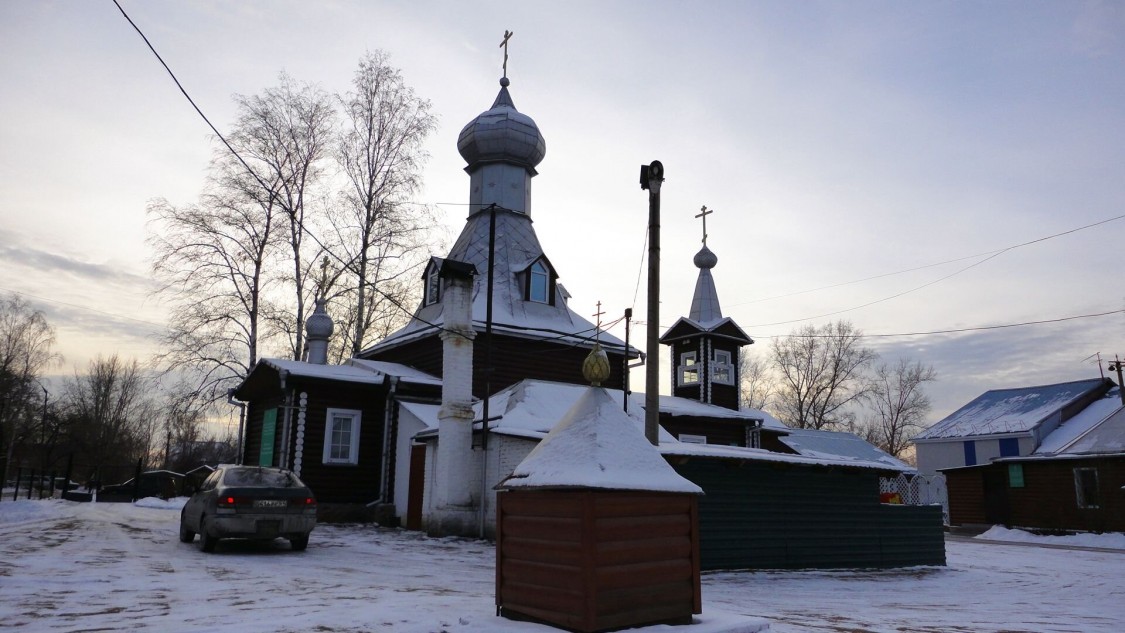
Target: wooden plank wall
[(592, 561)]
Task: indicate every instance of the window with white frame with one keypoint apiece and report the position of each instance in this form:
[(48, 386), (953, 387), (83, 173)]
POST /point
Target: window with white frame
[(341, 436), (539, 283), (722, 371), (692, 439), (688, 372), (1086, 487), (433, 286)]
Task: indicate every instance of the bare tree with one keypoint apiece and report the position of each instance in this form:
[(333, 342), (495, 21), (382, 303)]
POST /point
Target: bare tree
[(820, 373), (26, 340), (283, 134), (758, 385), (898, 404), (212, 258), (379, 230), (110, 418)]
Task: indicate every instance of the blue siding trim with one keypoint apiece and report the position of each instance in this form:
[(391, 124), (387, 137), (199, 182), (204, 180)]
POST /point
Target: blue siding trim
[(1009, 447), (970, 453)]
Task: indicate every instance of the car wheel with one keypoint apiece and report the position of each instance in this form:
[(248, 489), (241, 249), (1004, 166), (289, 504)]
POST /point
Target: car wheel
[(299, 543), (206, 541), (186, 535)]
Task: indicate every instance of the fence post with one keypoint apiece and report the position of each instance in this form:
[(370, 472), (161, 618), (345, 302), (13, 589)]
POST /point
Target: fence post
[(69, 468), (19, 475), (30, 484), (137, 480)]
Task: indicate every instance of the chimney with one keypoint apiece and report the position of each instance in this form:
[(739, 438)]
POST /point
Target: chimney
[(318, 329), (452, 509)]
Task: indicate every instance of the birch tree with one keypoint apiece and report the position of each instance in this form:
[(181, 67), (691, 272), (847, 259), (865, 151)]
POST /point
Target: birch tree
[(283, 135), (381, 232)]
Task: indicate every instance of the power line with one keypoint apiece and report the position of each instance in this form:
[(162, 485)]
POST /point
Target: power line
[(992, 254), (965, 329)]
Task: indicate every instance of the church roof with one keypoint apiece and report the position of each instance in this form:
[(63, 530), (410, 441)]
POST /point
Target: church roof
[(502, 134), (705, 302)]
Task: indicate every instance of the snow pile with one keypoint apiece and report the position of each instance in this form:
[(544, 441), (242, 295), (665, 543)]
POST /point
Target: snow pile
[(1109, 540), (24, 511)]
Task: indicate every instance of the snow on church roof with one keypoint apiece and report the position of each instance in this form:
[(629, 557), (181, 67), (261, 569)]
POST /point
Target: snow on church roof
[(595, 445), (531, 408), (512, 314), (1008, 410)]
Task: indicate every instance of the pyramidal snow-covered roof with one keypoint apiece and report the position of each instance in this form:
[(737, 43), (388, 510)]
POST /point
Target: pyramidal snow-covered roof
[(1009, 410), (596, 445)]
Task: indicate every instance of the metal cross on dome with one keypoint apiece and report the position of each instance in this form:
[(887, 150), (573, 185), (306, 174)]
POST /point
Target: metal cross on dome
[(598, 331), (703, 213), (504, 45)]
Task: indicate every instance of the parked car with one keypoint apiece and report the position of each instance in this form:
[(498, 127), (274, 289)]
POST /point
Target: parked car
[(250, 502)]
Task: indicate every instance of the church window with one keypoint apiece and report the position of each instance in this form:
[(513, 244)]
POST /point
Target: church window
[(721, 369), (433, 286), (539, 283), (341, 436), (688, 370)]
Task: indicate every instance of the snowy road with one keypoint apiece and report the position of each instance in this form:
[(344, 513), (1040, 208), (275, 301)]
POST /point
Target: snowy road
[(118, 567)]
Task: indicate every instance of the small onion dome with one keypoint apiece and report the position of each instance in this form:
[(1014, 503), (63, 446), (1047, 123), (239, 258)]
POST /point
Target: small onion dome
[(596, 366), (501, 134), (705, 258), (319, 325)]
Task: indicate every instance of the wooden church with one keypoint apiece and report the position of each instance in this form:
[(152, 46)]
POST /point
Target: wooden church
[(400, 433)]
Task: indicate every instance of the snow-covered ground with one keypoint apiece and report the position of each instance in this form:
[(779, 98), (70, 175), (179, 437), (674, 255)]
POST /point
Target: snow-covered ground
[(119, 567)]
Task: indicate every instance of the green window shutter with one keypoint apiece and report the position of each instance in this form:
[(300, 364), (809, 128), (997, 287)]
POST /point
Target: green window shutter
[(269, 433), (1015, 475)]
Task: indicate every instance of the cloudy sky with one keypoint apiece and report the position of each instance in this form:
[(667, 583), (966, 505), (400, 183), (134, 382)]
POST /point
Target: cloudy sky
[(895, 164)]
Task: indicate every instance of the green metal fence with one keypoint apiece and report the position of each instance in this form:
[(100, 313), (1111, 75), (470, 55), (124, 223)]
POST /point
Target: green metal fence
[(762, 515)]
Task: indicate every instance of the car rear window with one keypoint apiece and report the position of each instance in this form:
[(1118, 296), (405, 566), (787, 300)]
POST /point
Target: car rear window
[(263, 478)]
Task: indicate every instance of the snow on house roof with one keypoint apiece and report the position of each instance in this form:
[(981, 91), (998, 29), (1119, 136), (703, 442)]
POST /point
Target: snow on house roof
[(813, 443), (346, 373), (1008, 410), (1081, 424), (531, 408), (1105, 438), (404, 373), (596, 445)]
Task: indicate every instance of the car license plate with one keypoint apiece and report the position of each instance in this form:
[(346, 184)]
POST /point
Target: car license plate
[(269, 503)]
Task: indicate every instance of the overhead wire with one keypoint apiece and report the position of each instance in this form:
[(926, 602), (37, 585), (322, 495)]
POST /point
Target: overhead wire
[(393, 301)]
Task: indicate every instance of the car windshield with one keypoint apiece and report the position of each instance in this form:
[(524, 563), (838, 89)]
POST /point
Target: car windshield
[(259, 478)]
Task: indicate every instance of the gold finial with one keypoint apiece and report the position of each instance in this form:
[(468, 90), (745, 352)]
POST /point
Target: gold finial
[(504, 45), (703, 213), (596, 366)]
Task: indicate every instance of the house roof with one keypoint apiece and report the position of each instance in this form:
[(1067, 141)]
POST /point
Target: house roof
[(1003, 411), (346, 373), (404, 373), (531, 408), (1099, 428), (813, 443)]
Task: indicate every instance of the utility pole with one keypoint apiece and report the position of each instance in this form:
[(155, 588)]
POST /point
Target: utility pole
[(651, 177), (1115, 365)]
